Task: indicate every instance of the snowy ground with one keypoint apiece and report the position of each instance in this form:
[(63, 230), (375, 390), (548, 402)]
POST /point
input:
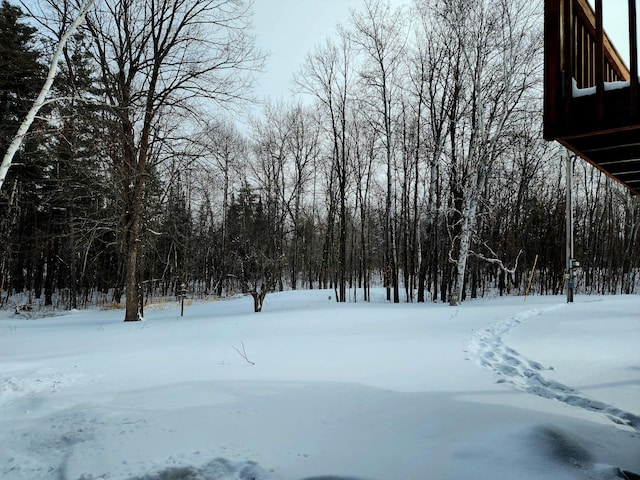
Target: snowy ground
[(494, 389)]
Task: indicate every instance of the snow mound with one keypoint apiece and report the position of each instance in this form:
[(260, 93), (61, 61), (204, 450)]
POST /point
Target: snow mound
[(218, 469), (524, 374)]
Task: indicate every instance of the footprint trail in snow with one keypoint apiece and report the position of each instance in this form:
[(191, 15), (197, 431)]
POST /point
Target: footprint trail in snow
[(527, 375)]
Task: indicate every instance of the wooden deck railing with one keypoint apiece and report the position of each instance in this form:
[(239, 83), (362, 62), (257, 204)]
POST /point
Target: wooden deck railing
[(578, 53), (585, 47), (597, 121)]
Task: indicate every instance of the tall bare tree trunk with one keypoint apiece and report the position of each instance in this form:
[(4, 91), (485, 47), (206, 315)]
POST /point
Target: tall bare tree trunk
[(468, 222)]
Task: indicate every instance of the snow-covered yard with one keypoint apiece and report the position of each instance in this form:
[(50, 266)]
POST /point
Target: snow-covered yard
[(494, 389)]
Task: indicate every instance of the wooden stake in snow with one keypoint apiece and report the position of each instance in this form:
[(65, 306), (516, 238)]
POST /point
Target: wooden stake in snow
[(533, 269), (40, 101)]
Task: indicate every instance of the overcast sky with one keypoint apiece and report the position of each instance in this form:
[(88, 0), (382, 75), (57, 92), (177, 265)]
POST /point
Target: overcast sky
[(291, 28), (615, 16), (288, 29)]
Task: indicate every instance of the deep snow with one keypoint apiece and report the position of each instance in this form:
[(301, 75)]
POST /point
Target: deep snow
[(495, 389)]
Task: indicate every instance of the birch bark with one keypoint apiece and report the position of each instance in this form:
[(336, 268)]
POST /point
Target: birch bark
[(41, 100)]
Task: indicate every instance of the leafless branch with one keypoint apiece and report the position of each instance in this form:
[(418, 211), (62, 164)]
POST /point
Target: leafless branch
[(495, 260), (243, 353)]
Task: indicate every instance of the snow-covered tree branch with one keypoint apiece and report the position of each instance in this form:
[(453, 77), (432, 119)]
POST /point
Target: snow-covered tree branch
[(496, 261)]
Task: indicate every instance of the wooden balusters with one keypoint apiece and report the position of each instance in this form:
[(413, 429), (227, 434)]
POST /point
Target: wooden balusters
[(633, 57), (599, 61)]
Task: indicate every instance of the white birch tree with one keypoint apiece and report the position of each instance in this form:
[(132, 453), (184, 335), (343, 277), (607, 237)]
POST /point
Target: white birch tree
[(41, 99), (499, 47)]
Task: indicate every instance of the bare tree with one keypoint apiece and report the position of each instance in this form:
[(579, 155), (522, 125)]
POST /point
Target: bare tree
[(303, 145), (498, 46), (223, 149), (328, 75), (433, 88), (381, 38), (160, 57), (366, 150)]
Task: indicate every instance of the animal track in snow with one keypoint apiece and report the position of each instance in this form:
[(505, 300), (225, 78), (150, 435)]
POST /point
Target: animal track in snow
[(525, 374)]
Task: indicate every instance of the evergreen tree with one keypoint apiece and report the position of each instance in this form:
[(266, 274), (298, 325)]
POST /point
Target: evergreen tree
[(20, 70), (21, 73), (82, 202)]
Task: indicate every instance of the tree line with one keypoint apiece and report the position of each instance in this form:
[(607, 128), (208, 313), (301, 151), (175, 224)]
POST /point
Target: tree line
[(409, 155)]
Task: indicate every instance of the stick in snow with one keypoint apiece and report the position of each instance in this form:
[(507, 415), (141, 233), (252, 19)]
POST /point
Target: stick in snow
[(243, 353)]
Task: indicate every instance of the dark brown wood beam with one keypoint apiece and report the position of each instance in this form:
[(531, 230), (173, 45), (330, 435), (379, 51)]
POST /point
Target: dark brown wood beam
[(633, 55), (566, 45), (552, 75), (599, 61)]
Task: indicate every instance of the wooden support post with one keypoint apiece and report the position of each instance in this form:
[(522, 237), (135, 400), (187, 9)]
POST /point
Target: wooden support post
[(569, 230), (633, 54), (567, 61), (599, 61), (553, 87)]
